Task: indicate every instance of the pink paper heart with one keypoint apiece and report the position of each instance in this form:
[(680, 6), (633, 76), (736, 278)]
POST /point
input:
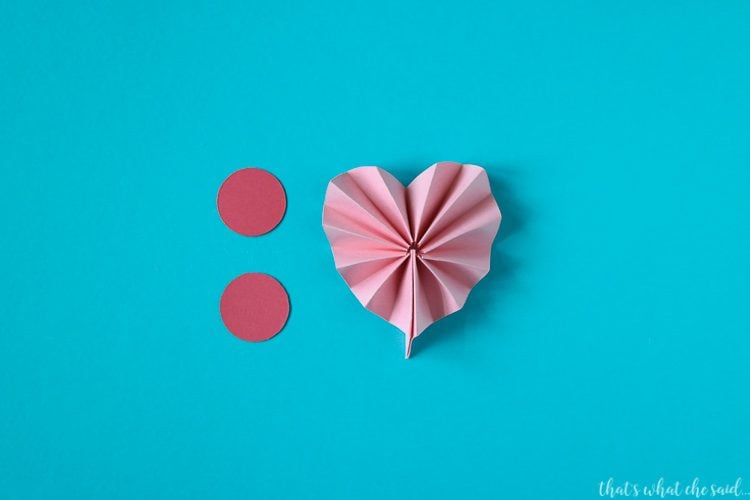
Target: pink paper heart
[(412, 255)]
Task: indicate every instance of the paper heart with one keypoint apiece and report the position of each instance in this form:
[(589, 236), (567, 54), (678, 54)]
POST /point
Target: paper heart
[(412, 255)]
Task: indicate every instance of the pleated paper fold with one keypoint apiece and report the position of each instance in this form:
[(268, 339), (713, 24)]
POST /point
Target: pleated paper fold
[(412, 255)]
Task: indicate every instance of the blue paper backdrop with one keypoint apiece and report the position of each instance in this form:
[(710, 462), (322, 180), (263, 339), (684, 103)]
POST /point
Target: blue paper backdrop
[(611, 338)]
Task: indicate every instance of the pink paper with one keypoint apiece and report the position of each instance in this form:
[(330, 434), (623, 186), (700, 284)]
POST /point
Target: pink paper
[(412, 255)]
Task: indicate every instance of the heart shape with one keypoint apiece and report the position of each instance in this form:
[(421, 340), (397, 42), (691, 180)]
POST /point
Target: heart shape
[(412, 255)]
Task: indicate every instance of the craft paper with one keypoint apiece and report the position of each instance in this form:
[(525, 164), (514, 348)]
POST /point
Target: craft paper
[(254, 307), (412, 255), (251, 201)]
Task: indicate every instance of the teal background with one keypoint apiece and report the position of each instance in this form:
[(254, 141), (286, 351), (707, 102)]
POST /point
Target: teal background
[(611, 338)]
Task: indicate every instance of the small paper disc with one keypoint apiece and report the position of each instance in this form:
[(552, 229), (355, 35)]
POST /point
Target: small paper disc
[(254, 307), (251, 201)]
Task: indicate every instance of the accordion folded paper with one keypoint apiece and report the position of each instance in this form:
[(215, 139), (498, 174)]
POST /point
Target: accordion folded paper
[(412, 255)]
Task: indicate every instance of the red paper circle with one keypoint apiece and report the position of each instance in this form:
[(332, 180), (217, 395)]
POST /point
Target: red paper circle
[(251, 201), (254, 307)]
